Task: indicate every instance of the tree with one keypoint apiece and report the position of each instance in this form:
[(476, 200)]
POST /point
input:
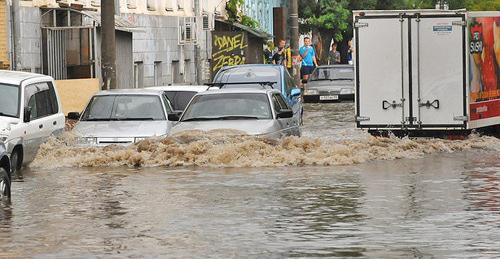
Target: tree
[(234, 13), (327, 19)]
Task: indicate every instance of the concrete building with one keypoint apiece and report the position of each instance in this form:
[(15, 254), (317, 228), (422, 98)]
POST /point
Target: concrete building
[(262, 11), (159, 42)]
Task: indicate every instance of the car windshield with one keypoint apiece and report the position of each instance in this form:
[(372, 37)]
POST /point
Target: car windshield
[(9, 100), (250, 74), (333, 73), (180, 99), (228, 106), (124, 107)]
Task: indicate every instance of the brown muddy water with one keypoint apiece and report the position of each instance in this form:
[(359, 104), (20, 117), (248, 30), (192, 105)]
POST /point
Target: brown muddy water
[(336, 192)]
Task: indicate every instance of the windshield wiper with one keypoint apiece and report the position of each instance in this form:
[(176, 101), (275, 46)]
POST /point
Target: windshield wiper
[(229, 117), (339, 79), (135, 119), (7, 115), (238, 117)]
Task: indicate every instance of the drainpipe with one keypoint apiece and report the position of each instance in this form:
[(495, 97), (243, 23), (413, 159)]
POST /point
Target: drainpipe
[(197, 51), (16, 35)]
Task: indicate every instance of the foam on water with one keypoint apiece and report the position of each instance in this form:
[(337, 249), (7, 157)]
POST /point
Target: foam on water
[(223, 148)]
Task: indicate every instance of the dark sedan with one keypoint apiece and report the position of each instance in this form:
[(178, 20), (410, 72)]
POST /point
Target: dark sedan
[(330, 83)]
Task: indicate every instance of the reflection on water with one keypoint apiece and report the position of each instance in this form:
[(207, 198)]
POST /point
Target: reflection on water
[(442, 205)]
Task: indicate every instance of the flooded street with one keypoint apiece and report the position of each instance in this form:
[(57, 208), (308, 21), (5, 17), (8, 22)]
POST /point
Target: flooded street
[(366, 203)]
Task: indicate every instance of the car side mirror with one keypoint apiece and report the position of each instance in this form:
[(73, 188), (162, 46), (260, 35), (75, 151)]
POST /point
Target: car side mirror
[(27, 114), (174, 116), (295, 92), (283, 114), (73, 115)]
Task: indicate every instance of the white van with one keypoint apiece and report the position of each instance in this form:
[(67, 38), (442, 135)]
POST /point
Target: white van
[(30, 112)]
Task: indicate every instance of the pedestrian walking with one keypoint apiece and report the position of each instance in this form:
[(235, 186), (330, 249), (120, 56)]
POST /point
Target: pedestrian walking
[(334, 55), (279, 57), (308, 56)]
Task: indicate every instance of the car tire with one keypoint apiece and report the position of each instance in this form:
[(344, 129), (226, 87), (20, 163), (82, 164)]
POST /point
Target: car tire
[(4, 185), (16, 164)]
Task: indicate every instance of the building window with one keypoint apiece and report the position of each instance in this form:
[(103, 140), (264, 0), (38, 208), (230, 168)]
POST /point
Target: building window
[(95, 2), (138, 74), (151, 5), (158, 73), (131, 4), (187, 30), (169, 5)]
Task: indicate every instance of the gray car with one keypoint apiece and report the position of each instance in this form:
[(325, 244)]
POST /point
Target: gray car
[(261, 112), (123, 117), (4, 173), (330, 83)]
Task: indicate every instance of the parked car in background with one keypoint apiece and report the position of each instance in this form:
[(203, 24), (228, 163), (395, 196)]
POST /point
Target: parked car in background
[(123, 117), (30, 112), (277, 75), (4, 173), (180, 95), (262, 112), (330, 83)]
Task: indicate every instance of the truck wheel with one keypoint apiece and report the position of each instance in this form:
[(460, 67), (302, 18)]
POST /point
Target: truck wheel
[(16, 165), (4, 185)]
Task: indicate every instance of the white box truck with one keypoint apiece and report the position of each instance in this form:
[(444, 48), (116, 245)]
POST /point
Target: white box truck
[(427, 71)]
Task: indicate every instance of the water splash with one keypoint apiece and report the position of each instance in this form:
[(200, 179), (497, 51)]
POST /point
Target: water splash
[(223, 148)]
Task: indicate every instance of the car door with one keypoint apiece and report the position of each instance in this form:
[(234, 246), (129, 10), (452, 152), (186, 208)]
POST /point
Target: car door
[(295, 102), (34, 128), (287, 125)]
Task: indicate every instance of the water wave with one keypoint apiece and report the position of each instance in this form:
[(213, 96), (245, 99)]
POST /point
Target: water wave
[(223, 148)]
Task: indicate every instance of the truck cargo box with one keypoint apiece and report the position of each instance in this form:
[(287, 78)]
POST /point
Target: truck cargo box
[(427, 70)]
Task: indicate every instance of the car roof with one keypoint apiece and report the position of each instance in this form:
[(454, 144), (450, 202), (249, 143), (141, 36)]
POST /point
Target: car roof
[(239, 91), (252, 65), (141, 91), (17, 77), (187, 88)]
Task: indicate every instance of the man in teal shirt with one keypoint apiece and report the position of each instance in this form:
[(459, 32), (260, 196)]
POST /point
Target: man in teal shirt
[(308, 59)]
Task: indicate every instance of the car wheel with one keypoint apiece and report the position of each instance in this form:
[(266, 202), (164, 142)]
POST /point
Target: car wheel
[(16, 165), (4, 185)]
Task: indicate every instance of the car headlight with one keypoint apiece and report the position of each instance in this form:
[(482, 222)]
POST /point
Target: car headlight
[(346, 91), (3, 138), (86, 141), (311, 92)]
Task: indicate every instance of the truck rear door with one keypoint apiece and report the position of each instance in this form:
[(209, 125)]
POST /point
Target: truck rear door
[(410, 71), (438, 71)]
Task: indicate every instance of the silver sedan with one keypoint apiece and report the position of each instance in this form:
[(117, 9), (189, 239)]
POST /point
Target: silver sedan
[(123, 117), (261, 112)]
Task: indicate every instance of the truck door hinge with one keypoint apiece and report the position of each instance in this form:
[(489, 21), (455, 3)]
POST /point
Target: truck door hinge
[(459, 23), (460, 118), (362, 118), (360, 24)]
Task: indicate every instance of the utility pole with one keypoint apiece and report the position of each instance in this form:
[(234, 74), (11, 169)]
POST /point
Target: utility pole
[(197, 52), (16, 36), (294, 40), (108, 44)]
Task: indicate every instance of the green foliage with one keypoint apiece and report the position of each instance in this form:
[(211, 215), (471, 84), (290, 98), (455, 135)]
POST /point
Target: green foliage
[(483, 5), (233, 8)]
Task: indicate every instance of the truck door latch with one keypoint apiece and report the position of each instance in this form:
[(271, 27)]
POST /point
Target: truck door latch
[(429, 104), (386, 105)]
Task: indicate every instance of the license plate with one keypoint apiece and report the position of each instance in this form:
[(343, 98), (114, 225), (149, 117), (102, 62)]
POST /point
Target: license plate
[(329, 97)]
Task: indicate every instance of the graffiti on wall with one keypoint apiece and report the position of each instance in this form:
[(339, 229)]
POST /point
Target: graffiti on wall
[(228, 49)]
